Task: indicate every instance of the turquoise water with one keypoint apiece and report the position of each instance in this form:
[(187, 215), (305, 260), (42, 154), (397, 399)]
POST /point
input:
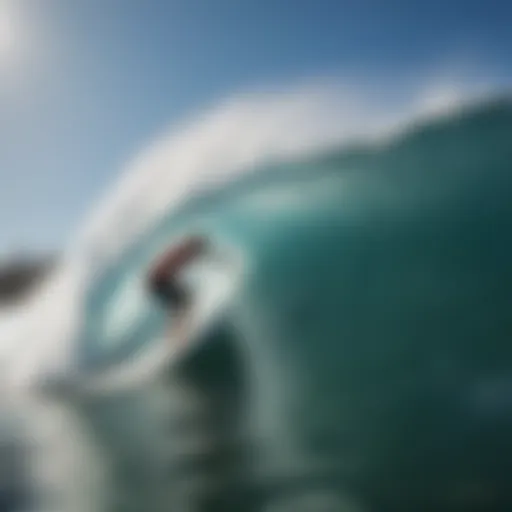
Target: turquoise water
[(375, 319)]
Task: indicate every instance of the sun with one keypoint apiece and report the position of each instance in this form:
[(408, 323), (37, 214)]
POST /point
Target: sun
[(8, 33)]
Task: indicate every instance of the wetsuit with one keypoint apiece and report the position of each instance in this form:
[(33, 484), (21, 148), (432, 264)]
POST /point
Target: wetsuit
[(162, 277)]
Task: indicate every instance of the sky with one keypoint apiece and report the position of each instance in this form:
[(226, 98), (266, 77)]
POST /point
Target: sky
[(87, 84)]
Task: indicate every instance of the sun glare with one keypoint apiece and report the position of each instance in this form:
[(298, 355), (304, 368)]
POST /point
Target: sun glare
[(8, 33)]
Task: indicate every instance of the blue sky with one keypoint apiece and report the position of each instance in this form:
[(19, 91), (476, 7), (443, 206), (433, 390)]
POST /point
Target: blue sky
[(91, 82)]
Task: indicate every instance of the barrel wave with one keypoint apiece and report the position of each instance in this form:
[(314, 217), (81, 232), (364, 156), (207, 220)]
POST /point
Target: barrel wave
[(361, 362)]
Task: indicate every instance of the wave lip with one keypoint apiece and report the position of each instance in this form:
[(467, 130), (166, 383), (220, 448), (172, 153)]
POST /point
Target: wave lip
[(247, 131)]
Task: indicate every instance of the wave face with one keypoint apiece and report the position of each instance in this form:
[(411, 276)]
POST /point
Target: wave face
[(406, 238), (279, 193)]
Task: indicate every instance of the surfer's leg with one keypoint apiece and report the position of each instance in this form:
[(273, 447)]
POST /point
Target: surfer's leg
[(171, 293)]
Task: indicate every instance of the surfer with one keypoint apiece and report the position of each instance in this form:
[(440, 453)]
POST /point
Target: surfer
[(163, 282)]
